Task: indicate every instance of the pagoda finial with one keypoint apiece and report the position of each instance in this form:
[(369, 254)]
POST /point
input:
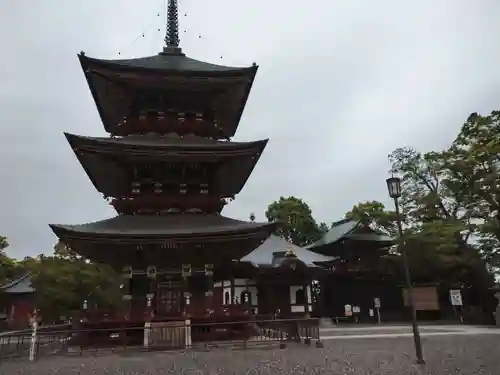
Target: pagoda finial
[(172, 35)]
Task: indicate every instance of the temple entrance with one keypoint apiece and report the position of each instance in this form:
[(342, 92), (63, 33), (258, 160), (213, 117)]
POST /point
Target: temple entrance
[(169, 298)]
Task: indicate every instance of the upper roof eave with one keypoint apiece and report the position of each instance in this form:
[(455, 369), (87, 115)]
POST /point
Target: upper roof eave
[(167, 63)]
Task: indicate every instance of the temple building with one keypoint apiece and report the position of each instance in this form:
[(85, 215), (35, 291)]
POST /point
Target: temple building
[(17, 301), (168, 168), (361, 282)]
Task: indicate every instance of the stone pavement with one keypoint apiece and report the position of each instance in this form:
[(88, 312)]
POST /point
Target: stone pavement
[(461, 350), (386, 331)]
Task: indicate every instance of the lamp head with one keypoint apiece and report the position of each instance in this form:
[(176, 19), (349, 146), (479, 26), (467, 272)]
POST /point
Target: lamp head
[(394, 187)]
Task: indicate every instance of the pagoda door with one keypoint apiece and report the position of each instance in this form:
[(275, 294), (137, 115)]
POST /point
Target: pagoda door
[(169, 299)]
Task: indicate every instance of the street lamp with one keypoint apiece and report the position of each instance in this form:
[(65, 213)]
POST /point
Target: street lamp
[(394, 187)]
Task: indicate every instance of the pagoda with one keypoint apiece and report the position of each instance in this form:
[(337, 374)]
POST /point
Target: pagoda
[(168, 168)]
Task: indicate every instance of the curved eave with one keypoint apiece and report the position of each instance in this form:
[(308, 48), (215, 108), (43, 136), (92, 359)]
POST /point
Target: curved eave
[(167, 64), (124, 65), (227, 152), (75, 233), (161, 145)]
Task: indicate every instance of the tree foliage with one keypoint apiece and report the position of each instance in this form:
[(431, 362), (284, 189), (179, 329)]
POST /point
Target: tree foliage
[(374, 215), (473, 164), (3, 243), (8, 266), (63, 285), (64, 280), (295, 222)]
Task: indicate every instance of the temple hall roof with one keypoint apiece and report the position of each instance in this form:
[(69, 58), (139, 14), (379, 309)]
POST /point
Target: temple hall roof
[(265, 254), (19, 285), (350, 229)]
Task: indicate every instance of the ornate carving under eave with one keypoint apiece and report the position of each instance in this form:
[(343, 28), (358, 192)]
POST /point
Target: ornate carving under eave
[(159, 204)]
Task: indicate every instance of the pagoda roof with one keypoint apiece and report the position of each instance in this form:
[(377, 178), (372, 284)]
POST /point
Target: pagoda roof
[(268, 253), (350, 229), (20, 285), (182, 79), (166, 62), (173, 141), (178, 226), (237, 159)]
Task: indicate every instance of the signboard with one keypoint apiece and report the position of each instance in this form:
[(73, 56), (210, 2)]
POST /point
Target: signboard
[(371, 312), (348, 310), (455, 297), (425, 298), (376, 302), (356, 309)]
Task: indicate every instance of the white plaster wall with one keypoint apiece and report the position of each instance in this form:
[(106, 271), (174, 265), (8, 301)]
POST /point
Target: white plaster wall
[(237, 293), (255, 295), (224, 291)]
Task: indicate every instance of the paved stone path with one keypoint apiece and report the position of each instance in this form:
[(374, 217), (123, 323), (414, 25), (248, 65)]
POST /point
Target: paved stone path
[(353, 332), (461, 350)]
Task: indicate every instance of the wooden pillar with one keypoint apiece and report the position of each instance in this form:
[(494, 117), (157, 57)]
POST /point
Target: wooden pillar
[(306, 298), (322, 296), (127, 289), (186, 296), (209, 292), (233, 296), (151, 274)]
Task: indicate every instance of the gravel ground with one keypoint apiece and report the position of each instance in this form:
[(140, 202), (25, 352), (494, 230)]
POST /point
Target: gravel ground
[(467, 355)]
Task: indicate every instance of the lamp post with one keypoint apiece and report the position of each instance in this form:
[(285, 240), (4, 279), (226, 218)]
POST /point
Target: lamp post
[(394, 187)]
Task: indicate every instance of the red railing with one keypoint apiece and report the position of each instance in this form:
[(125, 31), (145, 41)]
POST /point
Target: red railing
[(217, 313)]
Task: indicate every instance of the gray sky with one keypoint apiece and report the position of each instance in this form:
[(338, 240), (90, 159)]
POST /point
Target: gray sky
[(341, 83)]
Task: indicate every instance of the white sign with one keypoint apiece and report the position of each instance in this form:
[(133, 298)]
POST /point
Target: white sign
[(348, 310), (455, 297), (371, 312), (376, 302), (356, 309)]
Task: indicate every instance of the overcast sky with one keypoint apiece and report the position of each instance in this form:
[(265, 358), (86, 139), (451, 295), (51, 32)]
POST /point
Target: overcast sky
[(341, 83)]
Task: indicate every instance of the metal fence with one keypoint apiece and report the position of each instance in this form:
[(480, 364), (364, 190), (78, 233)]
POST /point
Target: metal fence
[(177, 335)]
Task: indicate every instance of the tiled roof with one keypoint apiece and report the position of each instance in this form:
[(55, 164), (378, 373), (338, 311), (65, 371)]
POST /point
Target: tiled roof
[(165, 62), (17, 286), (163, 225), (265, 253), (346, 229)]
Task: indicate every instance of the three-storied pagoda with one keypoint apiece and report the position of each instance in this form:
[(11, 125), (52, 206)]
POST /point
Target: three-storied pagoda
[(168, 169)]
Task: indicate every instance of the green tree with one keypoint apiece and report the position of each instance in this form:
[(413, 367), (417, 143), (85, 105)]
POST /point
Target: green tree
[(438, 220), (8, 266), (375, 215), (3, 243), (295, 222), (65, 280), (473, 162)]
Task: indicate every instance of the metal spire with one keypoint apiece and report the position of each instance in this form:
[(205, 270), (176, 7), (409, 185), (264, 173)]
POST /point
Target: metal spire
[(172, 35)]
